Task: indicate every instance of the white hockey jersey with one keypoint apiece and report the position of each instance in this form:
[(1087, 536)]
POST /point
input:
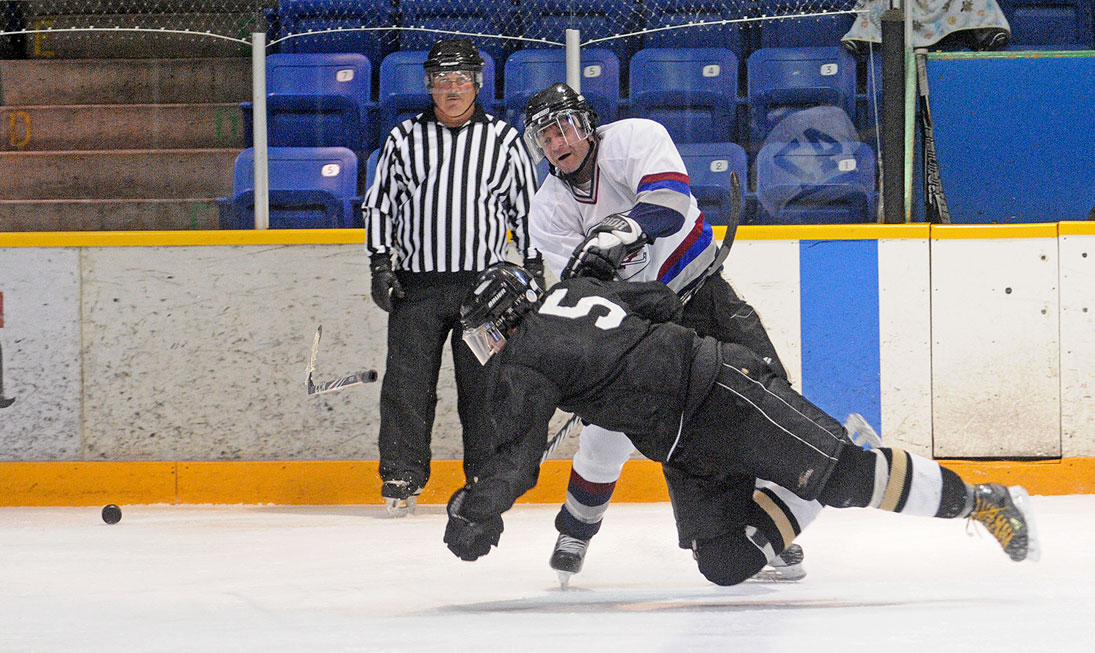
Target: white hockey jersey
[(636, 161)]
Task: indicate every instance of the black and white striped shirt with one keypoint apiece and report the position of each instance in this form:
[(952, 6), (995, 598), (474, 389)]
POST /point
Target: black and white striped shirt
[(443, 198)]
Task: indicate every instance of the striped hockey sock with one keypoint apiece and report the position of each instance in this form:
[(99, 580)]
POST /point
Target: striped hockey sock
[(585, 507)]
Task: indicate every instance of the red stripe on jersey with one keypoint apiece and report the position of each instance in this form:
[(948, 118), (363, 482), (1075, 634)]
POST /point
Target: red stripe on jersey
[(663, 176), (682, 249)]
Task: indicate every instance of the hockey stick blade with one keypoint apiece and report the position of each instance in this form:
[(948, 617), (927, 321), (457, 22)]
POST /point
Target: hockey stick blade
[(358, 378)]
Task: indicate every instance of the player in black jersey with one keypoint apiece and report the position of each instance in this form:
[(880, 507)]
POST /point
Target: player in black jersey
[(609, 352)]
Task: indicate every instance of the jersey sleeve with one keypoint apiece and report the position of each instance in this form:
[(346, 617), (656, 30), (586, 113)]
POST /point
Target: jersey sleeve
[(654, 169), (523, 402), (382, 199), (650, 300), (521, 189)]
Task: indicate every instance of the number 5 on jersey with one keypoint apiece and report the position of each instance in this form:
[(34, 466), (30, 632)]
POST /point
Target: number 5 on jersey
[(552, 306)]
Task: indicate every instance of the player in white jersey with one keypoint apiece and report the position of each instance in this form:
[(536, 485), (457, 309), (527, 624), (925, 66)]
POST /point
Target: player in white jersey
[(618, 203)]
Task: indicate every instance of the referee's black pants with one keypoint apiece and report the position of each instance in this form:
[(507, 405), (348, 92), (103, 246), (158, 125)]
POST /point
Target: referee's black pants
[(418, 326)]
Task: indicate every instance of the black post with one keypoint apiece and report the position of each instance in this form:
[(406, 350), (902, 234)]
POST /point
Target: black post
[(893, 116)]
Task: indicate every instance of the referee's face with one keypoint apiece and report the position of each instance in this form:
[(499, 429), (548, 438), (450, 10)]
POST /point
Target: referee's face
[(453, 98)]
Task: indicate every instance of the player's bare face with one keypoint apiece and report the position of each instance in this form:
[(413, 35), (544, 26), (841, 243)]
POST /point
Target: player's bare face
[(453, 97), (564, 147)]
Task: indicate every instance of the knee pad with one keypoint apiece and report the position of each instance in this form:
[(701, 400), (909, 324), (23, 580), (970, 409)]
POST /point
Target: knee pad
[(728, 559)]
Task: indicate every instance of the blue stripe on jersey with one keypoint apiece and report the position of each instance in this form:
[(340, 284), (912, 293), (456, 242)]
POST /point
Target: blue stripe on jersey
[(681, 187), (840, 341), (700, 242)]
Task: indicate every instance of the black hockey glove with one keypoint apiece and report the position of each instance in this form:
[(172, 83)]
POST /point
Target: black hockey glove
[(610, 242), (535, 266), (466, 538), (385, 284)]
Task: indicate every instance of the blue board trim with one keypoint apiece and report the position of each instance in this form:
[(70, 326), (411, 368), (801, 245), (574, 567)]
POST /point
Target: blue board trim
[(840, 342)]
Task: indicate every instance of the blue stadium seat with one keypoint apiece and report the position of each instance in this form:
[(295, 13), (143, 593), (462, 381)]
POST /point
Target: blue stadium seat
[(403, 91), (691, 91), (1050, 24), (310, 188), (529, 71), (370, 169), (709, 166), (315, 100), (543, 171), (820, 183), (803, 31), (595, 19), (665, 13), (302, 16), (471, 16), (781, 80)]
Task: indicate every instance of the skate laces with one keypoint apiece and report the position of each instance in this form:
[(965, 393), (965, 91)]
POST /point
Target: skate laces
[(568, 544), (993, 508)]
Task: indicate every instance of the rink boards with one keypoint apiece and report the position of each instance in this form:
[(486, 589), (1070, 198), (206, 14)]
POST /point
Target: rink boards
[(191, 346)]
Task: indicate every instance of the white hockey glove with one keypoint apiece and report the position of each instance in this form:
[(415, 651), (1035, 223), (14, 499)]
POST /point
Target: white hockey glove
[(609, 243)]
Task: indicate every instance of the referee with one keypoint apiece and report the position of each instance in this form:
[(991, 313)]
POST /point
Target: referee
[(449, 184)]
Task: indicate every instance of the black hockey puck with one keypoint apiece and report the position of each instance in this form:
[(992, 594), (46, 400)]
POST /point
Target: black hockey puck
[(112, 514)]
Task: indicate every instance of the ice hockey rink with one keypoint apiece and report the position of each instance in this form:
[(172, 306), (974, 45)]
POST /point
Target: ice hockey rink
[(348, 578)]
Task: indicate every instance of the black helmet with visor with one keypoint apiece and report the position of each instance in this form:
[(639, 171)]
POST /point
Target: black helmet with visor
[(453, 60), (560, 107), (502, 295)]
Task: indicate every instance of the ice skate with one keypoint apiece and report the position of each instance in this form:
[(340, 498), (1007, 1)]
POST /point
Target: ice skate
[(787, 567), (567, 557), (400, 497), (861, 433), (1006, 514)]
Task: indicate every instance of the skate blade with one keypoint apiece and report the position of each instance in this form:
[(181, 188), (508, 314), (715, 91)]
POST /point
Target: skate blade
[(861, 432), (788, 574), (564, 579), (1021, 500), (400, 507)]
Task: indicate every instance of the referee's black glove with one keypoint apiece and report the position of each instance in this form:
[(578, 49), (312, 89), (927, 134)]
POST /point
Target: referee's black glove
[(535, 266), (385, 283)]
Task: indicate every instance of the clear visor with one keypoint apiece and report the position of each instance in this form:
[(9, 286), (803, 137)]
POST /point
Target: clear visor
[(448, 79), (572, 127), (484, 341)]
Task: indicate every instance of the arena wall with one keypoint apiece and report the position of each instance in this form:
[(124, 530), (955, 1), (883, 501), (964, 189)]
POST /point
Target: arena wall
[(185, 352)]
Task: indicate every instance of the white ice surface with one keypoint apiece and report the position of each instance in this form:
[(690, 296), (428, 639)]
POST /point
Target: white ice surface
[(278, 578)]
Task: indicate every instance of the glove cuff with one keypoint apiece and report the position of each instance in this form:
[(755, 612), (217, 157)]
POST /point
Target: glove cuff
[(380, 263)]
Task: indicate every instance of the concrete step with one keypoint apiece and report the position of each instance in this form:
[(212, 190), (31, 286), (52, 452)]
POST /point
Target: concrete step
[(108, 215), (124, 81), (116, 40), (121, 126), (117, 174)]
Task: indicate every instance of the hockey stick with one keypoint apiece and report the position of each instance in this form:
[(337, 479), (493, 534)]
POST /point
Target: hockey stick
[(4, 401), (935, 201), (732, 221), (357, 378)]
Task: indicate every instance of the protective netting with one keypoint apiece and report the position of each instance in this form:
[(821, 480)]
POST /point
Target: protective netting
[(127, 28), (377, 26)]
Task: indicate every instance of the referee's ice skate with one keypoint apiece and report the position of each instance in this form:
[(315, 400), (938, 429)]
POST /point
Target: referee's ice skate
[(400, 497)]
